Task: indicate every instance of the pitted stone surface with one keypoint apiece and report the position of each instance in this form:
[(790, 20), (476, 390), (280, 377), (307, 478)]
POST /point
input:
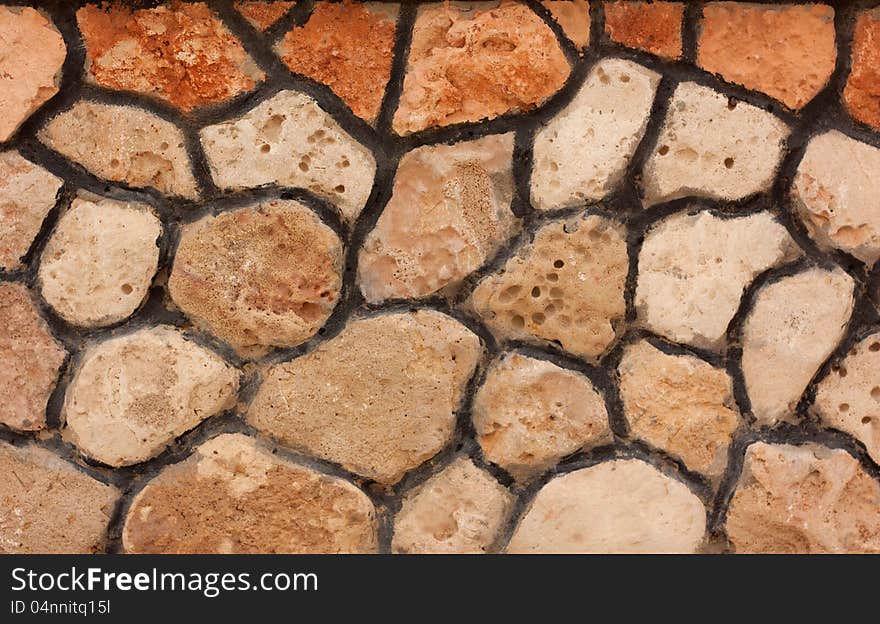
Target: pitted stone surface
[(574, 18), (654, 27), (261, 14), (862, 92)]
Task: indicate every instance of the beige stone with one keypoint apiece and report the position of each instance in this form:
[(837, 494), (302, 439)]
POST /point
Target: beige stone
[(574, 18), (379, 398)]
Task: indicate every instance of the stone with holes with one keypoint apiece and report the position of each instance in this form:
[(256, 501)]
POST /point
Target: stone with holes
[(261, 14), (574, 18), (654, 27), (862, 92)]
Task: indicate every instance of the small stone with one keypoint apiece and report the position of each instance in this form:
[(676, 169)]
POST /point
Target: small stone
[(289, 140), (472, 62), (804, 500), (793, 327), (713, 146), (259, 277), (574, 18), (379, 399), (231, 496), (565, 287), (458, 511), (654, 27), (97, 268), (862, 92), (581, 154), (448, 214), (623, 506), (262, 15)]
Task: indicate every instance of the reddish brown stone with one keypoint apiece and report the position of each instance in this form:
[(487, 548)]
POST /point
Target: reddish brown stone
[(573, 16), (262, 14), (652, 27), (862, 92)]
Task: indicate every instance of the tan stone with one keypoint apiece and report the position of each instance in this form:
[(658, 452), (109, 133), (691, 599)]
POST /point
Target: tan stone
[(379, 398), (654, 27), (234, 496), (261, 14), (574, 18), (448, 214), (862, 92)]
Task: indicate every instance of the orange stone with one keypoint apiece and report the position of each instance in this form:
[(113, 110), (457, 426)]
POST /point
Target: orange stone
[(262, 14), (653, 27), (862, 92), (573, 16)]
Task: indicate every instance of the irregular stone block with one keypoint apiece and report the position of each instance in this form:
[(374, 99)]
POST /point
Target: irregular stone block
[(862, 92), (574, 18), (654, 27), (261, 14)]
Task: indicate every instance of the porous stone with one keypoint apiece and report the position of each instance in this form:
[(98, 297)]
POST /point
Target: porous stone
[(449, 212), (622, 506), (803, 499), (574, 18), (862, 92), (232, 496), (654, 27), (132, 395), (380, 398), (530, 413), (581, 154), (262, 14)]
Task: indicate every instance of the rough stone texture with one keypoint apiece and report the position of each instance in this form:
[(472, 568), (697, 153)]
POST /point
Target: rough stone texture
[(793, 327), (653, 27), (261, 14), (448, 214), (582, 153), (379, 398), (862, 92), (458, 511), (123, 144), (803, 499), (693, 270), (133, 394), (31, 359), (787, 52), (574, 18), (233, 496), (621, 506), (289, 140), (712, 146), (565, 287), (31, 55), (97, 267), (48, 506), (473, 61)]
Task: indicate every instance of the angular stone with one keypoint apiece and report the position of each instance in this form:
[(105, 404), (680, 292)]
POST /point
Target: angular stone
[(803, 499), (133, 394), (448, 214), (258, 277), (379, 399), (622, 506), (458, 511), (261, 14), (581, 154), (574, 18), (234, 496), (289, 140), (654, 27), (862, 92), (713, 146), (793, 327), (474, 61), (530, 413)]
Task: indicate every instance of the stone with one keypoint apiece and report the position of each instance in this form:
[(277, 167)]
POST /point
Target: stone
[(123, 144), (232, 496), (48, 506), (379, 398), (262, 276), (713, 146), (289, 140), (805, 500), (448, 214), (787, 52), (180, 53), (27, 194), (623, 506), (475, 61), (862, 91), (654, 27), (794, 325), (581, 154), (32, 52), (565, 287), (31, 360), (97, 267), (262, 15), (574, 18), (694, 268), (457, 511)]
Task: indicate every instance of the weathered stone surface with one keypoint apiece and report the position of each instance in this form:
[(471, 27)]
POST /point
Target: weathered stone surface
[(289, 140), (693, 270), (862, 92), (233, 496), (574, 18), (379, 398), (448, 214), (654, 27), (787, 52), (621, 506), (565, 287), (530, 413), (793, 327), (473, 61), (133, 394), (712, 146), (262, 14), (582, 153), (803, 499), (31, 359), (48, 506), (458, 511)]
